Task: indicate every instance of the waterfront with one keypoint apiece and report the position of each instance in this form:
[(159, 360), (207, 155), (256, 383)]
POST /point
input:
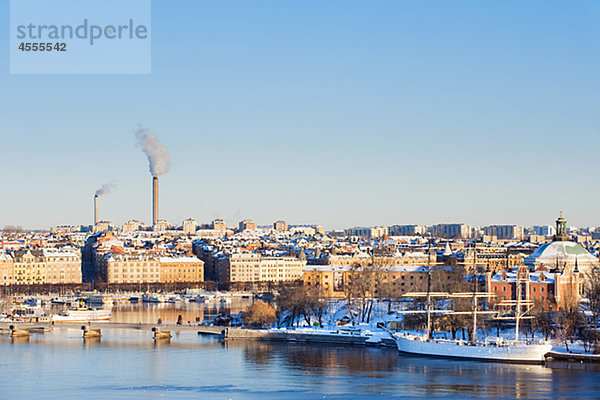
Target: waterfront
[(128, 364)]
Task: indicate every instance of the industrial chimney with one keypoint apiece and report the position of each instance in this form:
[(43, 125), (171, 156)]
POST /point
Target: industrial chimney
[(154, 200), (96, 210)]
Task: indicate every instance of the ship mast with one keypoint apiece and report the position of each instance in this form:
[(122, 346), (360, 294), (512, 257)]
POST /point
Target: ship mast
[(518, 309), (474, 339), (429, 292)]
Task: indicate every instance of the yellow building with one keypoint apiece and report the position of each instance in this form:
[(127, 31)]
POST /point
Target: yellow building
[(247, 224), (62, 266), (281, 226), (129, 268), (334, 280), (181, 269), (281, 269), (6, 269), (29, 267), (251, 267)]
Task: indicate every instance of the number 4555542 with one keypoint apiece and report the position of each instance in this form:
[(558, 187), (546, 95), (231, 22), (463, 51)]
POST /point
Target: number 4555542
[(43, 46)]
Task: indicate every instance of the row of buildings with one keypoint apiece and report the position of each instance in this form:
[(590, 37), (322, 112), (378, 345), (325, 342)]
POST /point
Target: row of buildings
[(258, 255), (40, 266)]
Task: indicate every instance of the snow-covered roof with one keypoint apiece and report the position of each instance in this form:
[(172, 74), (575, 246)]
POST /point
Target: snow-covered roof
[(549, 253), (344, 268), (533, 276), (179, 259)]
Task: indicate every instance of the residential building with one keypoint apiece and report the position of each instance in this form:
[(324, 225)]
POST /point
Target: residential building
[(219, 225), (544, 230), (252, 267), (505, 231), (189, 226), (334, 280), (280, 226), (247, 224), (117, 267), (406, 230), (6, 269), (132, 226), (29, 267), (177, 269), (63, 266), (452, 231), (372, 232)]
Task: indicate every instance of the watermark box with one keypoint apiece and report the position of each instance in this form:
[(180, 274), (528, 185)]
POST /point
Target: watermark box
[(80, 37)]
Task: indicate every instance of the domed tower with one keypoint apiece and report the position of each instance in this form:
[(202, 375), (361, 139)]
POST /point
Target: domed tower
[(561, 229)]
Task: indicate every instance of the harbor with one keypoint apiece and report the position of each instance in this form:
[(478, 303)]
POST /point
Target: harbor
[(190, 365)]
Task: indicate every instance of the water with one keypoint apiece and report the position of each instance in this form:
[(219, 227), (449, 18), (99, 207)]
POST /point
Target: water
[(126, 364)]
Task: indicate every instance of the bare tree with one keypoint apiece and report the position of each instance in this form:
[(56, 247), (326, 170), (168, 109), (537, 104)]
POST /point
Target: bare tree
[(362, 287), (568, 319), (317, 303), (543, 319), (592, 293), (291, 305), (12, 232)]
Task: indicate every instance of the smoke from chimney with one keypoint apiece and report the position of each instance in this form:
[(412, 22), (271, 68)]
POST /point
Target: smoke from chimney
[(159, 160), (104, 189)]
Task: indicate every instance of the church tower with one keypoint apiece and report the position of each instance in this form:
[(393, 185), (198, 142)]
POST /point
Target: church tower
[(561, 229)]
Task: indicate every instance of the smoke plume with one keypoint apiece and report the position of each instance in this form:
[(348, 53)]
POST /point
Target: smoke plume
[(105, 189), (158, 155)]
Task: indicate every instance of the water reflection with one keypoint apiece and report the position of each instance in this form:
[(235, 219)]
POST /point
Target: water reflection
[(129, 363), (372, 367), (168, 312)]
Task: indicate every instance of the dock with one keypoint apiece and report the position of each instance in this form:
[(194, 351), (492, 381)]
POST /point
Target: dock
[(573, 357)]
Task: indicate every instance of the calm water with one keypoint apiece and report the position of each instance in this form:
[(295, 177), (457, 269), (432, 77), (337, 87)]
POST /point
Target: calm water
[(126, 364)]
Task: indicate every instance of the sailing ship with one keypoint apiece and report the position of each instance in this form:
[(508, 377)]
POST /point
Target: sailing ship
[(490, 349)]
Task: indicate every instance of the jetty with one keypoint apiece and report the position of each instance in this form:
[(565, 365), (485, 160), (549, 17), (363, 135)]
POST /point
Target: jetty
[(573, 357)]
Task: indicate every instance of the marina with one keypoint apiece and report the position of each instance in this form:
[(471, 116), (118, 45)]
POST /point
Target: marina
[(128, 363)]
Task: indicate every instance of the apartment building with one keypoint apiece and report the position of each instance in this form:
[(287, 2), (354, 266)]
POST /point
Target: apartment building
[(177, 269), (117, 267), (251, 267), (334, 280), (6, 269), (29, 267), (62, 266)]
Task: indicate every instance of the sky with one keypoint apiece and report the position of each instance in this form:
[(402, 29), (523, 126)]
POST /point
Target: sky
[(338, 113)]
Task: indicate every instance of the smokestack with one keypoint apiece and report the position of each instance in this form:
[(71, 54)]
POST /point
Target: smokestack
[(154, 200), (95, 209)]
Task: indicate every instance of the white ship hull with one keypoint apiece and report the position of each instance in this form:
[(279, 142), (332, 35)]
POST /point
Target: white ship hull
[(83, 315), (517, 352)]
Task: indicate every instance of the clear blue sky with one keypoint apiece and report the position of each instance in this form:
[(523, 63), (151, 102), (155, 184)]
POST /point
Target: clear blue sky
[(342, 113)]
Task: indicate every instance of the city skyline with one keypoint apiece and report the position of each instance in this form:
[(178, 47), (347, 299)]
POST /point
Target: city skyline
[(462, 112)]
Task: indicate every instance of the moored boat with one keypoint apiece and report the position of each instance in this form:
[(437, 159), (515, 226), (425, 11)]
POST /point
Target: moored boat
[(491, 349), (100, 300), (82, 314)]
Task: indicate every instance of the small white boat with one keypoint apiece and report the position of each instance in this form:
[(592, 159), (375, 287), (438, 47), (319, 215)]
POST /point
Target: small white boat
[(27, 313), (100, 300), (175, 299), (82, 314), (154, 298)]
